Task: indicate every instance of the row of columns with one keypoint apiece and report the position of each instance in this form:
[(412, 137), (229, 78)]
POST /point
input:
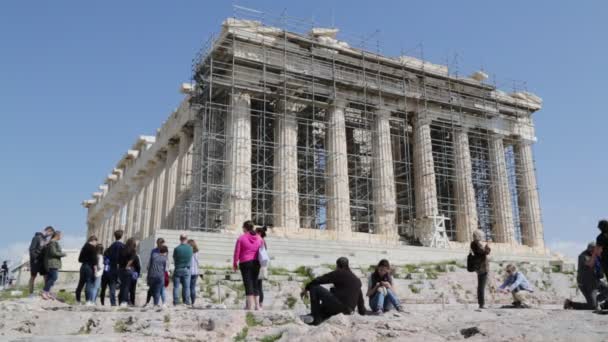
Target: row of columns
[(285, 203), (148, 202)]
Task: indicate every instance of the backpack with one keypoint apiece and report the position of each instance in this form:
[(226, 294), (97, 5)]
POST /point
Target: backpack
[(472, 262)]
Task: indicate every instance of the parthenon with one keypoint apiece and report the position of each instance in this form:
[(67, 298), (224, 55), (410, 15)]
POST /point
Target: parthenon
[(300, 131)]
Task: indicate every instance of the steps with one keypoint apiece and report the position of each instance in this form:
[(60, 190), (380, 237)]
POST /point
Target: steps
[(216, 249)]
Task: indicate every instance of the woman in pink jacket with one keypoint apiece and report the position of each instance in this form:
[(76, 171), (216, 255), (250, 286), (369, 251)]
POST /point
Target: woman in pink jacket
[(246, 258)]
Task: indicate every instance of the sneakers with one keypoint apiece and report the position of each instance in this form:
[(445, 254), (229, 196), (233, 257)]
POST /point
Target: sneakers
[(124, 305), (89, 303), (400, 309), (308, 319), (567, 304), (378, 312), (45, 296)]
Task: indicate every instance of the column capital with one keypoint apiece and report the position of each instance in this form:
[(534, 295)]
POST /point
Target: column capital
[(384, 111), (337, 103), (241, 95)]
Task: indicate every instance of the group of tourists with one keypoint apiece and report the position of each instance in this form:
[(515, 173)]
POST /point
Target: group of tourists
[(119, 267)]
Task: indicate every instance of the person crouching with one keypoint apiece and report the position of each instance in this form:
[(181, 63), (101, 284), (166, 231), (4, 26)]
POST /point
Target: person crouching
[(516, 283)]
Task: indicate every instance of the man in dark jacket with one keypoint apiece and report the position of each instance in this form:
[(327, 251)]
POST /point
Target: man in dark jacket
[(602, 241), (39, 240), (110, 277), (588, 279), (344, 297)]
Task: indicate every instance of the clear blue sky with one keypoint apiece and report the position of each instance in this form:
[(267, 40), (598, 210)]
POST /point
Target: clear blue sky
[(80, 80)]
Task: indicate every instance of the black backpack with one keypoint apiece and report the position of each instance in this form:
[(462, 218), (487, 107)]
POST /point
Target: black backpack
[(472, 262)]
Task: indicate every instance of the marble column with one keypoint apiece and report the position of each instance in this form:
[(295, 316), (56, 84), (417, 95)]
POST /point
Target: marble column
[(285, 203), (184, 166), (338, 193), (148, 202), (158, 195), (425, 187), (466, 208), (238, 196), (170, 186), (129, 226), (384, 193), (503, 227), (529, 204)]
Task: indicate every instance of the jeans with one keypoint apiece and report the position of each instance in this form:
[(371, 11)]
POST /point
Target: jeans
[(193, 278), (149, 295), (323, 304), (96, 288), (126, 277), (181, 276), (109, 279), (482, 278), (156, 287), (87, 280), (51, 278), (385, 302)]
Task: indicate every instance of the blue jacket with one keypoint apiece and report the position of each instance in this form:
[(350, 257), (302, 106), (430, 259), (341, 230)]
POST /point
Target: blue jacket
[(516, 281)]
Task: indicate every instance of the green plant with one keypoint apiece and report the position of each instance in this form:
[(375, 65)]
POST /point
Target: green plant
[(250, 320), (271, 338), (278, 271), (241, 336), (291, 301), (66, 297), (120, 327), (167, 318), (413, 288)]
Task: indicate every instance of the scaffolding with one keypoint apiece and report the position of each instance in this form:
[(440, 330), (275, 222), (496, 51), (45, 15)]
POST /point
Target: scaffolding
[(291, 76)]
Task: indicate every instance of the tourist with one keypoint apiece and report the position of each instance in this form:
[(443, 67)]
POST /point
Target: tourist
[(516, 283), (52, 264), (343, 298), (246, 259), (99, 271), (4, 275), (105, 277), (182, 258), (136, 274), (263, 268), (127, 266), (159, 243), (588, 279), (380, 289), (88, 259), (156, 273), (112, 254), (194, 264), (39, 240), (482, 265), (602, 241)]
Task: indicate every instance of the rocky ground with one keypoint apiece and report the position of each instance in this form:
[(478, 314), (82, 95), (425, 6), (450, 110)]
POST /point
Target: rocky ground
[(440, 306)]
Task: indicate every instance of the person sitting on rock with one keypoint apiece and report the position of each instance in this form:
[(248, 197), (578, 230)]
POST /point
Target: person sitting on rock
[(343, 298), (588, 277), (516, 283), (380, 289)]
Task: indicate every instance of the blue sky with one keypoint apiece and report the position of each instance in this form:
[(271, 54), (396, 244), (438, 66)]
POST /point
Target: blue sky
[(79, 81)]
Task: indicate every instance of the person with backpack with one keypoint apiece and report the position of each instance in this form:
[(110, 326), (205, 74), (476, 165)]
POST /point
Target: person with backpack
[(156, 272), (246, 260), (159, 243), (112, 254), (88, 260), (481, 264), (588, 279), (128, 264), (52, 263), (39, 240)]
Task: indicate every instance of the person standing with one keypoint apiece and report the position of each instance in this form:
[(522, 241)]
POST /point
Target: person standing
[(159, 243), (602, 241), (88, 259), (52, 263), (380, 290), (182, 259), (4, 274), (245, 259), (344, 297), (99, 271), (193, 270), (39, 240), (127, 264), (588, 279), (112, 254), (480, 253), (156, 273), (136, 275), (263, 268)]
